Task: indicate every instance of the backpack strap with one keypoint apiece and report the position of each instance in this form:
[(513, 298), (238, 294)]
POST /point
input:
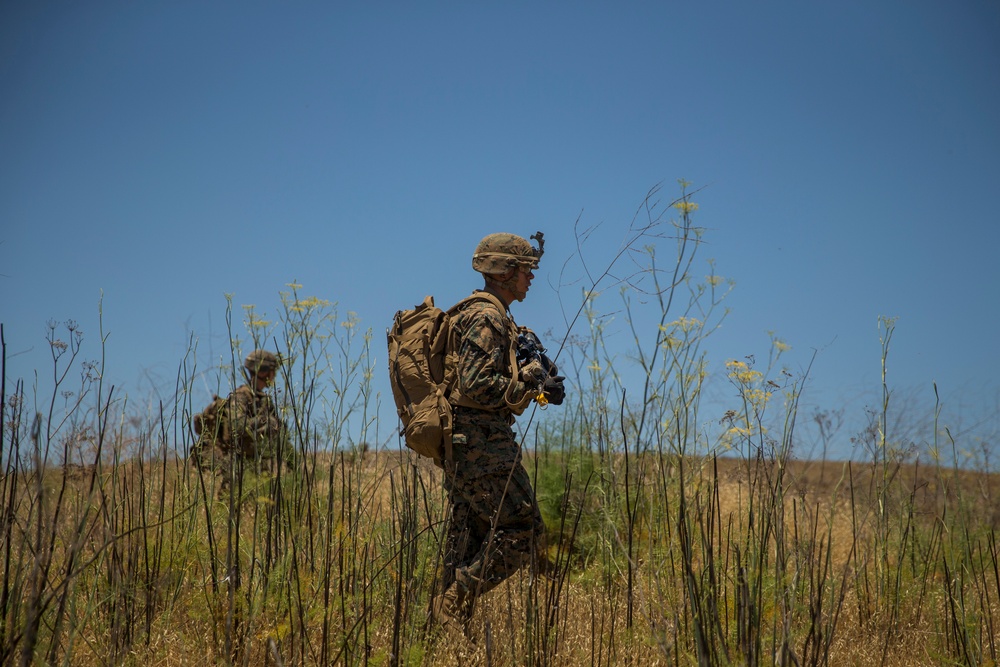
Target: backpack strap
[(479, 295)]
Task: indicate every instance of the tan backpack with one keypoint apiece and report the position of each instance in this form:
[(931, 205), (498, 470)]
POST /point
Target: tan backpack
[(212, 423), (211, 427), (422, 374)]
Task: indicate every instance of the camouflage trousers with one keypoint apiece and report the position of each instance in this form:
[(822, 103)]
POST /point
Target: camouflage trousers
[(223, 462), (495, 526)]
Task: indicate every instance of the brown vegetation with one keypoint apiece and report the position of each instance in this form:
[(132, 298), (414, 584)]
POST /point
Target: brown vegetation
[(345, 574)]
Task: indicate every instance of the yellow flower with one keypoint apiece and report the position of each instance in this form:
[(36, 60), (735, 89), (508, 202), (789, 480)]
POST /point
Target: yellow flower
[(714, 281), (685, 323), (311, 302), (294, 285), (781, 345), (742, 373), (686, 207)]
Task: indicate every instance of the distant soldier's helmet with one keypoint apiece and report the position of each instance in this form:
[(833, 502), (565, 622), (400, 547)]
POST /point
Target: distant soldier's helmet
[(497, 254), (261, 361)]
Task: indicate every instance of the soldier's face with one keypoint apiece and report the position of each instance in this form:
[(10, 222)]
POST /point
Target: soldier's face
[(265, 378), (524, 278)]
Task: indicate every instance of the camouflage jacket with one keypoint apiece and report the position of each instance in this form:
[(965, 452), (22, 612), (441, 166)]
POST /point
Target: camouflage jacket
[(485, 336), (257, 428)]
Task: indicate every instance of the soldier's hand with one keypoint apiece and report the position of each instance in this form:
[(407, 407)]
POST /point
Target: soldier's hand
[(554, 389), (533, 373)]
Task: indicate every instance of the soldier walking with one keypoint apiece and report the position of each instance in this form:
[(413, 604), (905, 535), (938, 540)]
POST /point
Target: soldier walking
[(245, 429), (495, 525)]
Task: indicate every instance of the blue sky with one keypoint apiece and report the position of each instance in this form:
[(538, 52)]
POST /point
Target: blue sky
[(165, 154)]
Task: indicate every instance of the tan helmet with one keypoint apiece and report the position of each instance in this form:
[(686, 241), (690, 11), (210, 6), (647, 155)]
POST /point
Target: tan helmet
[(497, 254), (261, 361)]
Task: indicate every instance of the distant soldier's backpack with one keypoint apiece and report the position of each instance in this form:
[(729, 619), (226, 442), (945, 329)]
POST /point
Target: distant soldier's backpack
[(211, 425), (422, 374)]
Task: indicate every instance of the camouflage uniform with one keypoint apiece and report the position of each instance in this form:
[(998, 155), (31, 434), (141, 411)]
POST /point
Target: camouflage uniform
[(488, 487), (495, 526), (249, 429), (257, 430)]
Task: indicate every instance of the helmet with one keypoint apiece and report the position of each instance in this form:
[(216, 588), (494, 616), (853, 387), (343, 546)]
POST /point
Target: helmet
[(497, 254), (261, 361)]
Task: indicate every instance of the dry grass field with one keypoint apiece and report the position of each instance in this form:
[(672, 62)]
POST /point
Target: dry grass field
[(134, 564), (674, 538)]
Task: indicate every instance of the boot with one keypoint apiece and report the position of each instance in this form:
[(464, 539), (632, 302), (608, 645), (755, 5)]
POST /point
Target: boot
[(453, 608)]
